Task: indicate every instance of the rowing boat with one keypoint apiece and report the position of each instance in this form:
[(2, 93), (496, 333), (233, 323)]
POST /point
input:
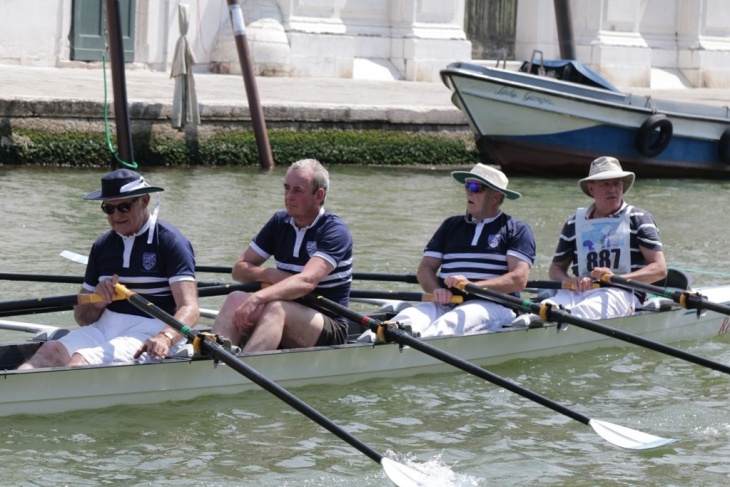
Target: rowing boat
[(556, 124), (61, 389)]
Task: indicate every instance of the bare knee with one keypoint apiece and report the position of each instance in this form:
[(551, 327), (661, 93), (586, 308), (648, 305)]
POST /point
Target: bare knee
[(273, 309), (52, 353)]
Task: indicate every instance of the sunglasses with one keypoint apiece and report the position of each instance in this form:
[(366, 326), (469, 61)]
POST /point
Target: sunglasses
[(121, 207), (474, 187)]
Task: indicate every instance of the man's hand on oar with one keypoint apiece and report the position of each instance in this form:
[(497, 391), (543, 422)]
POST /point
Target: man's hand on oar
[(617, 435)]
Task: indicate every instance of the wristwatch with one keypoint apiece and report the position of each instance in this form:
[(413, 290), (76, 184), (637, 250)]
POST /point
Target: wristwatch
[(170, 336)]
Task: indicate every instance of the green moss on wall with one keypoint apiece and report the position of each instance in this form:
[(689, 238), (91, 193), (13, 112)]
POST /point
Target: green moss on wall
[(330, 146)]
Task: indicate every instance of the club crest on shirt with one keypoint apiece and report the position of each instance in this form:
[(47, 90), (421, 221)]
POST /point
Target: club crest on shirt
[(493, 241), (149, 260), (311, 248)]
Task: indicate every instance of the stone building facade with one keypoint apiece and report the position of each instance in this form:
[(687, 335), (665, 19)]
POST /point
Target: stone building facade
[(630, 42)]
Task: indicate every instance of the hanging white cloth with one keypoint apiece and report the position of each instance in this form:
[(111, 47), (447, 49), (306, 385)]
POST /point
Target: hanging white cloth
[(185, 108)]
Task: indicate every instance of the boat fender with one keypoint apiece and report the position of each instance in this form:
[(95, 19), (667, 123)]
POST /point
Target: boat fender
[(654, 135), (723, 146)]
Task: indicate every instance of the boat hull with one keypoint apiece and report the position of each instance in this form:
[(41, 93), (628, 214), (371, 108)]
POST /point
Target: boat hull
[(530, 124), (57, 390)]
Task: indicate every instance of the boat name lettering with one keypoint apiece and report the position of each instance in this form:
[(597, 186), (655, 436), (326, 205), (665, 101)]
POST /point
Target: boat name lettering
[(509, 92), (540, 100)]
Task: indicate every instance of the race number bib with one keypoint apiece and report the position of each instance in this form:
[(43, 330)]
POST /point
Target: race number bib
[(603, 242)]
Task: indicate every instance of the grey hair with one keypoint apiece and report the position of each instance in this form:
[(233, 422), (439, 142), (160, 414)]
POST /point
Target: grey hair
[(320, 175)]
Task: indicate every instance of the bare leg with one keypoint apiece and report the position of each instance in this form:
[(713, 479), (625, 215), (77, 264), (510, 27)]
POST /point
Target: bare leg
[(51, 354), (285, 323), (223, 323)]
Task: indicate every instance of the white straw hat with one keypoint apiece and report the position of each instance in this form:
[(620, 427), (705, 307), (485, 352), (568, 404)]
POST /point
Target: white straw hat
[(494, 178)]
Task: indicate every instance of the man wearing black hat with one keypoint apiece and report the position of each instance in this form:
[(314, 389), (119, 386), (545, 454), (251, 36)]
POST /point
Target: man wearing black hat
[(608, 237), (148, 256)]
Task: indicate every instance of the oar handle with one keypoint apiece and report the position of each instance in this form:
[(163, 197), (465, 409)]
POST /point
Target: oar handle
[(615, 280), (431, 298), (88, 298), (550, 284)]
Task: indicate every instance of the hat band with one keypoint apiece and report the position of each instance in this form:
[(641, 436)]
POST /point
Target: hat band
[(139, 183)]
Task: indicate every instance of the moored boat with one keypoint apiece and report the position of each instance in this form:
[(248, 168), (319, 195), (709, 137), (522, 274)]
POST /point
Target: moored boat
[(63, 389), (550, 126)]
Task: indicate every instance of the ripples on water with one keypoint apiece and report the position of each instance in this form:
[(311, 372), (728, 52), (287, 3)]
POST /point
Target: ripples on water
[(456, 427)]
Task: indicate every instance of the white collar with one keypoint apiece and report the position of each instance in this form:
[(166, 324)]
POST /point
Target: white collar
[(294, 224)]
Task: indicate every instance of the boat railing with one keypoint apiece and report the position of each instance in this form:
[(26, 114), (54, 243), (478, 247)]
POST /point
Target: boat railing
[(541, 68)]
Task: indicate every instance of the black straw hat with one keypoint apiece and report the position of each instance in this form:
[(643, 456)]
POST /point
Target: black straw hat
[(122, 183)]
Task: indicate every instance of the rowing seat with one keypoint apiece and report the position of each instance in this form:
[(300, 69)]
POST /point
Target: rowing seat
[(676, 280)]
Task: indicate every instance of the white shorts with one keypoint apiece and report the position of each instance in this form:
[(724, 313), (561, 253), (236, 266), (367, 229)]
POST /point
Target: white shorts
[(597, 304), (114, 338), (433, 319)]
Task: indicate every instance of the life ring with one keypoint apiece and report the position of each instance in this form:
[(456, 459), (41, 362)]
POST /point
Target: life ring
[(723, 146), (654, 135)]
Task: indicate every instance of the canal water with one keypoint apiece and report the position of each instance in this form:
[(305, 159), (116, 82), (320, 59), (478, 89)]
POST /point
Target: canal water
[(457, 428)]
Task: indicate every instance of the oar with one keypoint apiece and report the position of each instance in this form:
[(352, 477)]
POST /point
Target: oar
[(398, 473), (685, 299), (358, 276), (31, 311), (50, 302), (398, 295), (26, 327), (65, 302), (617, 435), (553, 313), (7, 276), (217, 269)]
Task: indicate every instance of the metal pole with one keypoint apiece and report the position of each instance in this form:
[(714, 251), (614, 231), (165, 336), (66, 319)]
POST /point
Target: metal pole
[(119, 82), (254, 106), (565, 29)]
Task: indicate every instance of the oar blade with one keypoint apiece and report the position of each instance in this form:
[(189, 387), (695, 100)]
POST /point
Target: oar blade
[(404, 476), (73, 256), (627, 437)]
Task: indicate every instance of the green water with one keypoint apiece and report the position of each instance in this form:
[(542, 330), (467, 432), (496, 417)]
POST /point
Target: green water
[(460, 429)]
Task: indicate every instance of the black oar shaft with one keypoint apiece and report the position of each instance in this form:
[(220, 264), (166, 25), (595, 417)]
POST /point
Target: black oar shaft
[(685, 298), (221, 289), (30, 311), (219, 352), (357, 276), (401, 337), (40, 303), (7, 276), (555, 314)]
